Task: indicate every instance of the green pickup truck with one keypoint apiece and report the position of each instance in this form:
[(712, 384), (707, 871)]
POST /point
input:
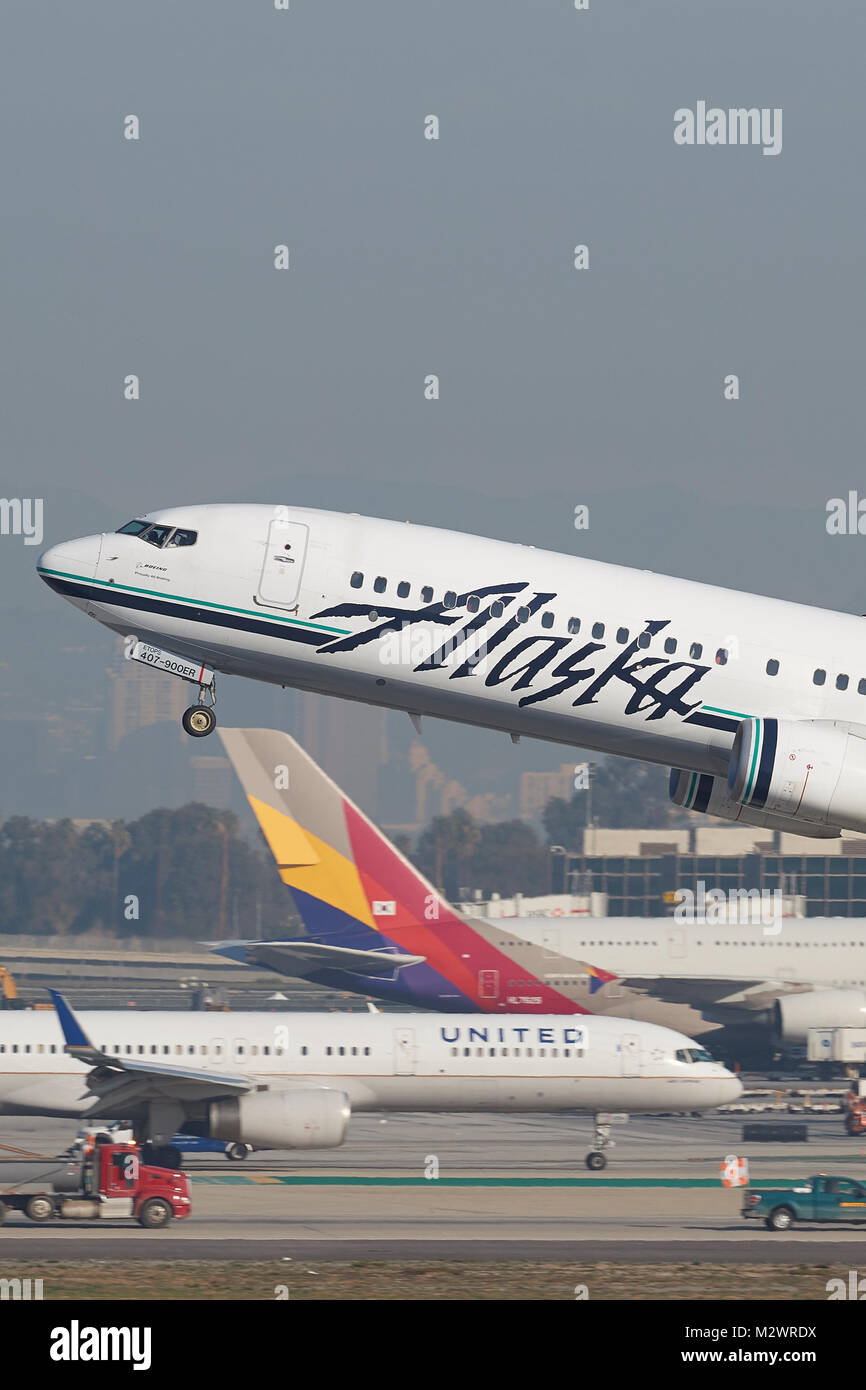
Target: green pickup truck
[(822, 1198)]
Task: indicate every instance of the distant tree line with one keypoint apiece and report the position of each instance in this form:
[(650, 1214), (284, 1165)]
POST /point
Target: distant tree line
[(191, 874), (183, 873)]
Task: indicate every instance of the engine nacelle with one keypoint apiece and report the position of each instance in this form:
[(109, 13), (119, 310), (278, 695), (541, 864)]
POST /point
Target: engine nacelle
[(700, 791), (313, 1119), (795, 1014), (809, 771)]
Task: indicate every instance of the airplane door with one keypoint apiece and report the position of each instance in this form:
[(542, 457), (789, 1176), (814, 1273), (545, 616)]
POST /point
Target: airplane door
[(551, 940), (217, 1050), (488, 984), (404, 1052), (240, 1052), (285, 553), (629, 1053)]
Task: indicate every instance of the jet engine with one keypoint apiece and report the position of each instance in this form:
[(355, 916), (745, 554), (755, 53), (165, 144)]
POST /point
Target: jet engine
[(302, 1119), (795, 1014), (702, 792), (807, 770)]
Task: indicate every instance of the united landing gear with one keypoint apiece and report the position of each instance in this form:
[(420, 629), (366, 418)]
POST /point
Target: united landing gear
[(596, 1159)]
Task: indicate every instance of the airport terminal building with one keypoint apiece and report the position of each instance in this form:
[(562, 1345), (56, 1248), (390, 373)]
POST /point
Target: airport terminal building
[(639, 871)]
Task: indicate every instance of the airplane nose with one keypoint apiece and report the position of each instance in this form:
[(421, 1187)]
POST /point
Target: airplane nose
[(70, 559)]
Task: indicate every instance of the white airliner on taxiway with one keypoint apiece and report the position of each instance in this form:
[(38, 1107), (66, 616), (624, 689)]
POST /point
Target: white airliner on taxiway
[(758, 705), (291, 1080)]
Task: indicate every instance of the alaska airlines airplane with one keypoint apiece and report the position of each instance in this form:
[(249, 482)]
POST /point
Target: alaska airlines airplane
[(758, 705), (377, 926), (284, 1081)]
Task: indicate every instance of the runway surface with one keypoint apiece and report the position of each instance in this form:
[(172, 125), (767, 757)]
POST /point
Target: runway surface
[(509, 1187)]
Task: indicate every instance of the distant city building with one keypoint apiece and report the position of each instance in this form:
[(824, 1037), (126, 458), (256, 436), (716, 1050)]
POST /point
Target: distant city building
[(212, 780), (350, 741), (439, 795), (537, 788), (140, 697)]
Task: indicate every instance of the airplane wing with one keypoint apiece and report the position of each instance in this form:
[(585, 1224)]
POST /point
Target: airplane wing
[(301, 957), (701, 992), (123, 1084)]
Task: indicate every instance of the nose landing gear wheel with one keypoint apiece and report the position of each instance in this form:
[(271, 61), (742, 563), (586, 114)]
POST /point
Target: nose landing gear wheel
[(596, 1161), (198, 721)]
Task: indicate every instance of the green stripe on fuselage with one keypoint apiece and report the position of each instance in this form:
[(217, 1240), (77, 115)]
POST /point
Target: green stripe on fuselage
[(198, 602)]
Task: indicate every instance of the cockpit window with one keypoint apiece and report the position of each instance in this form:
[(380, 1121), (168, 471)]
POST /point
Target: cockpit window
[(158, 535), (693, 1054)]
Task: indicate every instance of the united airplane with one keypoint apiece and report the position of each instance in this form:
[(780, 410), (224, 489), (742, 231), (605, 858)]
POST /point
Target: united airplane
[(759, 705), (375, 925), (286, 1081)]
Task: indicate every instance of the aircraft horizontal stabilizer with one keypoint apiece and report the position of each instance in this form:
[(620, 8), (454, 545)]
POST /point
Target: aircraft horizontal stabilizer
[(303, 958)]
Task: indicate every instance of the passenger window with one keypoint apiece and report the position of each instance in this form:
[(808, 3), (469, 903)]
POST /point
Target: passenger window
[(523, 615), (380, 584), (573, 626), (819, 677), (841, 682), (426, 594), (721, 657), (670, 645), (450, 599), (403, 589), (622, 635), (598, 630), (643, 640), (861, 687), (497, 608), (547, 620), (695, 651), (473, 603), (772, 667), (357, 579)]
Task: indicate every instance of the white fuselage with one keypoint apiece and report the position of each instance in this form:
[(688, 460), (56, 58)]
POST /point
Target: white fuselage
[(826, 952), (535, 643), (382, 1062)]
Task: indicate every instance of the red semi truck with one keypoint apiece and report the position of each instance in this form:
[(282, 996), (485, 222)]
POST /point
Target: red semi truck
[(106, 1181)]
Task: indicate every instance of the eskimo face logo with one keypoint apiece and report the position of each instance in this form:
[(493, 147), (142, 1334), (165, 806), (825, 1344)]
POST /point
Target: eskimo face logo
[(536, 667)]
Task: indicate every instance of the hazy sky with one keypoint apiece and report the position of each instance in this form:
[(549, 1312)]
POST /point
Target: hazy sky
[(452, 257)]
